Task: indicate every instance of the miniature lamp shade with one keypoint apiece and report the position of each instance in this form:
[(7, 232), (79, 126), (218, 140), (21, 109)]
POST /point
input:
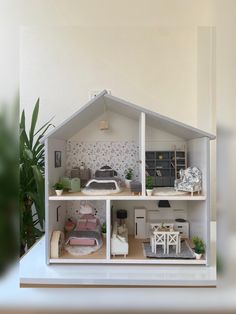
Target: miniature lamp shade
[(103, 125), (121, 214)]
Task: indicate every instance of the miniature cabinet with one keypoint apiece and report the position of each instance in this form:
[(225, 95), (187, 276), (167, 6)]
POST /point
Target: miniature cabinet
[(164, 166), (140, 223)]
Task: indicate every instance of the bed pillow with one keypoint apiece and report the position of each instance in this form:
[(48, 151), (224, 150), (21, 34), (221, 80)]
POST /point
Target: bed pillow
[(86, 225), (86, 209)]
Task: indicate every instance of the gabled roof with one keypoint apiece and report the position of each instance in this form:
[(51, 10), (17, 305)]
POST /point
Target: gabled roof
[(95, 107)]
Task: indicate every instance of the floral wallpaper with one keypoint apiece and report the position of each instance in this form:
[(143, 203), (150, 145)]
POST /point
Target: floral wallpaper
[(119, 155)]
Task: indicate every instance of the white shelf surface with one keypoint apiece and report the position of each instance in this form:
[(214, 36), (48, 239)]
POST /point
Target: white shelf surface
[(74, 197), (129, 261), (35, 272)]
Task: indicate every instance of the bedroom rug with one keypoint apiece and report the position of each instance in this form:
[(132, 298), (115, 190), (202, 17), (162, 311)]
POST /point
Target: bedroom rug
[(99, 192), (163, 191), (186, 252), (82, 250)]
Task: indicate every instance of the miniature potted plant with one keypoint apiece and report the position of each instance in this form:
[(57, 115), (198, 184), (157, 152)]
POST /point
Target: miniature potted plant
[(128, 177), (199, 247), (104, 230), (58, 187), (149, 185)]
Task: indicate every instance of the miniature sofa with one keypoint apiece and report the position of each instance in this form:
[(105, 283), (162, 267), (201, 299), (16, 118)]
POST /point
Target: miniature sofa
[(119, 240), (190, 180)]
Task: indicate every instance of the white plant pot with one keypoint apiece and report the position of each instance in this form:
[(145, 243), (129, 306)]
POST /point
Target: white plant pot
[(127, 183), (198, 256), (59, 192), (149, 192)]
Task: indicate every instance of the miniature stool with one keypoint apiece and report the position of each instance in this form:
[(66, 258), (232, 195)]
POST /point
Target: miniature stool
[(136, 187)]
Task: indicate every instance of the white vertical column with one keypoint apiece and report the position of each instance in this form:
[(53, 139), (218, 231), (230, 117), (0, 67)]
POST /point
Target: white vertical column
[(108, 225), (142, 148), (46, 182)]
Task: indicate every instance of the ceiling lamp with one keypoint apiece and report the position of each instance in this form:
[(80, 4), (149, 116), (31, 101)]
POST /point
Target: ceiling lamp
[(104, 124), (163, 203)]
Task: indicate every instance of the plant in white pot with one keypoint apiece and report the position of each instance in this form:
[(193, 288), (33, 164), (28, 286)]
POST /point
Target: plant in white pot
[(149, 185), (58, 187), (104, 230), (128, 177), (199, 247)]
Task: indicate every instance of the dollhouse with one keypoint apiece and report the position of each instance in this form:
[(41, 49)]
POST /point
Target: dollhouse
[(135, 187)]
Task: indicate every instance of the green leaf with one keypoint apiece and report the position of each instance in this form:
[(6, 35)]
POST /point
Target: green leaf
[(47, 124), (39, 197), (28, 154), (33, 122), (22, 120), (41, 136)]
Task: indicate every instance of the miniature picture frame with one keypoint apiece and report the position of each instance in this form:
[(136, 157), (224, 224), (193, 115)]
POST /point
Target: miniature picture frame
[(57, 159)]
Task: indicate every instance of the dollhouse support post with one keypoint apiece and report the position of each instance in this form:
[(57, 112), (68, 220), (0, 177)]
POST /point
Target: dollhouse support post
[(142, 127), (108, 229)]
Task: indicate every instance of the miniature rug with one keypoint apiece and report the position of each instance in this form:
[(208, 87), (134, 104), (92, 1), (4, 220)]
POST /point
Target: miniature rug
[(98, 192), (162, 191), (186, 252), (82, 250)]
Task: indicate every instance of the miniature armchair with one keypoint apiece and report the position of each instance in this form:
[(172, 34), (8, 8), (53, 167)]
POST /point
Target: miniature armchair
[(190, 180)]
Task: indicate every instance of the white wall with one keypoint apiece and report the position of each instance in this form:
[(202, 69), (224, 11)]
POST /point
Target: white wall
[(121, 128), (95, 13), (155, 67), (157, 139)]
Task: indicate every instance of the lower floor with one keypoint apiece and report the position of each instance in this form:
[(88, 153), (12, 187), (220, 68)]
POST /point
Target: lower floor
[(139, 232)]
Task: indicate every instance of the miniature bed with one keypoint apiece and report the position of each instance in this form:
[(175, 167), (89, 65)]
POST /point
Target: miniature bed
[(85, 234)]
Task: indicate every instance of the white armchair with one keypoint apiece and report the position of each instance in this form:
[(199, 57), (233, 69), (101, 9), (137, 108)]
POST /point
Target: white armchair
[(190, 180)]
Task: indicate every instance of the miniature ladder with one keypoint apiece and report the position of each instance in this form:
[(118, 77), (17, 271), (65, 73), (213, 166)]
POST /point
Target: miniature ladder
[(176, 158)]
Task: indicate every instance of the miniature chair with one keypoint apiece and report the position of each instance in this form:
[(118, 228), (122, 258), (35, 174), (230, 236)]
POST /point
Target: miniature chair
[(154, 228), (174, 240), (190, 180), (159, 239)]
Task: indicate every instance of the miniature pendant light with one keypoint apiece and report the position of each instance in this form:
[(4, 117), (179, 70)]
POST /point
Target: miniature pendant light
[(103, 124), (164, 203)]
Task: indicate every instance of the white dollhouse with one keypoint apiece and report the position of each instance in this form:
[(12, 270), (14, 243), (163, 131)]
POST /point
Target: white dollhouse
[(91, 152)]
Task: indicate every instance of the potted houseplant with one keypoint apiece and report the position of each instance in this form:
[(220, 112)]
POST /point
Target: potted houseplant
[(103, 229), (149, 185), (199, 247), (58, 187), (128, 177)]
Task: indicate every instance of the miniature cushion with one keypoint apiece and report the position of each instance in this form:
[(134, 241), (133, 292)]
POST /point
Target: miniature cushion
[(86, 225), (86, 209)]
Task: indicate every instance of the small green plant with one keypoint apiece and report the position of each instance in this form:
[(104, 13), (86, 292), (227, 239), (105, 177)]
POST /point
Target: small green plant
[(58, 186), (104, 229), (149, 183), (129, 174), (199, 246)]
